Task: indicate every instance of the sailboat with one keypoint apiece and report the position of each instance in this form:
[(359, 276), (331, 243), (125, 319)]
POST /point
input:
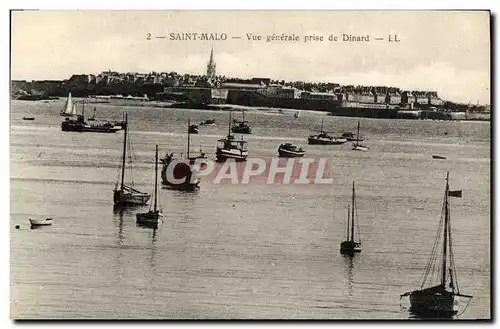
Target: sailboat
[(356, 146), (183, 169), (150, 218), (230, 148), (296, 115), (69, 108), (125, 195), (439, 299), (350, 246), (241, 127), (323, 138)]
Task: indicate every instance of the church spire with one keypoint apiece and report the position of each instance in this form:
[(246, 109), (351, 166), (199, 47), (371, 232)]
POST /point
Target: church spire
[(211, 65)]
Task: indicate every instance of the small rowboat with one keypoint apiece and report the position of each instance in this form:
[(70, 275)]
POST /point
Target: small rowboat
[(40, 222), (439, 157)]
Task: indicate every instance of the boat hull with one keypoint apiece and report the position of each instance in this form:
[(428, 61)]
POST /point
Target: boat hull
[(68, 126), (290, 154), (223, 155), (238, 130), (358, 147), (432, 303), (439, 157), (326, 141), (182, 171), (149, 219), (350, 247), (125, 198), (42, 222)]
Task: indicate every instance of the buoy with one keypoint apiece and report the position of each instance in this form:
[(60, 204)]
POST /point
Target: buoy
[(17, 227)]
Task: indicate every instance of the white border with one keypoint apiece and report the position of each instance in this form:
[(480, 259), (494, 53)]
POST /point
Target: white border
[(142, 5)]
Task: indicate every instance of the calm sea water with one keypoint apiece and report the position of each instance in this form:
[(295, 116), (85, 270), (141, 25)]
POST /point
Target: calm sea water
[(241, 251)]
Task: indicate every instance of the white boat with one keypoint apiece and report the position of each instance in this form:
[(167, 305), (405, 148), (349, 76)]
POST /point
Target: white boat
[(230, 148), (40, 222), (69, 108), (151, 218), (125, 195), (438, 298), (350, 246), (356, 146)]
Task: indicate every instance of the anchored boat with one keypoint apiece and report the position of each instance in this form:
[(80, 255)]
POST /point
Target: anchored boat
[(350, 246), (356, 146), (230, 148), (151, 218), (324, 138), (440, 299), (126, 195), (69, 108), (40, 222), (288, 150), (241, 127)]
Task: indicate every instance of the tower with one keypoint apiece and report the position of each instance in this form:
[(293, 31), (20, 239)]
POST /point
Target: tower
[(211, 66)]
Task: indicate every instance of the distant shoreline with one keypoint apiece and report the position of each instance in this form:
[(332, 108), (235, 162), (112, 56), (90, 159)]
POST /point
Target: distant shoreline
[(227, 107)]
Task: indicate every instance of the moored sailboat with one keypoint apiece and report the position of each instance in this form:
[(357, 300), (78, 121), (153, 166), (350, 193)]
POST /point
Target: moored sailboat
[(324, 138), (68, 109), (184, 170), (125, 195), (439, 299), (241, 127), (230, 148), (150, 218), (350, 246), (356, 146)]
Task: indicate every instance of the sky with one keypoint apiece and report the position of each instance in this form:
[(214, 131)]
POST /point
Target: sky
[(443, 51)]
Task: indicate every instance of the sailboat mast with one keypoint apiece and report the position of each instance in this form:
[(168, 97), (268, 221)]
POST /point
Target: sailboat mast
[(229, 126), (348, 219), (243, 115), (357, 135), (321, 125), (83, 108), (352, 215), (124, 151), (189, 136), (156, 176), (445, 239)]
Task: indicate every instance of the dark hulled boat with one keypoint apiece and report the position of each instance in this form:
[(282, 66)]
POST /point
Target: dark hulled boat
[(324, 138), (350, 246), (193, 129), (79, 125), (184, 169), (288, 150), (126, 195), (151, 218), (241, 127), (439, 299)]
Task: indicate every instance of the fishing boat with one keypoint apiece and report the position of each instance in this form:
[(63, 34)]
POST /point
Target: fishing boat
[(184, 169), (79, 124), (150, 218), (127, 195), (356, 146), (439, 298), (208, 122), (241, 127), (439, 157), (69, 108), (288, 150), (29, 118), (40, 222), (193, 129), (324, 138), (230, 148), (350, 246)]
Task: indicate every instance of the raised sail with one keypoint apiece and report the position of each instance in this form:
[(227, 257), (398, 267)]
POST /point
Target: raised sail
[(69, 108)]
